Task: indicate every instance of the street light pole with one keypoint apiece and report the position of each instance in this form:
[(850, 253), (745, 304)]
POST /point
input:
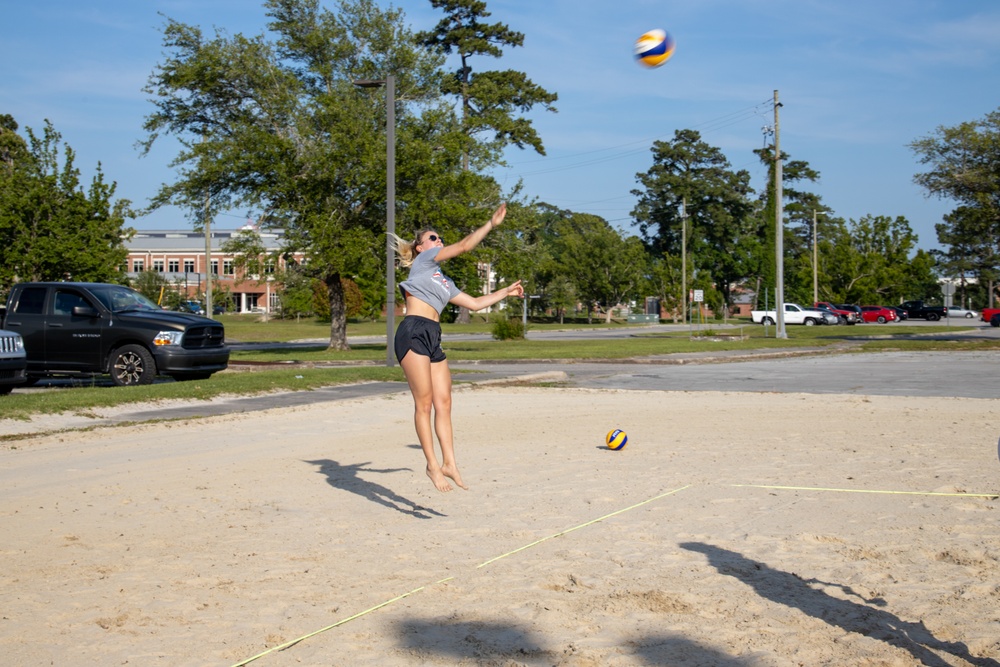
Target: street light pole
[(815, 272), (390, 207)]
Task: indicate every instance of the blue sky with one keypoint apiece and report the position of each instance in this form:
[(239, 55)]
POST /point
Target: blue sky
[(858, 81)]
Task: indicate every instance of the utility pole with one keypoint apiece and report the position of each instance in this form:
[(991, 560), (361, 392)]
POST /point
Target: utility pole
[(815, 282), (779, 228), (684, 291)]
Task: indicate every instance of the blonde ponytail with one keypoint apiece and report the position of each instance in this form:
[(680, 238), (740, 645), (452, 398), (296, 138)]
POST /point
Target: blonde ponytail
[(406, 250)]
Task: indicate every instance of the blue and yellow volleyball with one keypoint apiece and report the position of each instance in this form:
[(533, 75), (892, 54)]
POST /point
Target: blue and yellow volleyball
[(616, 439), (654, 48)]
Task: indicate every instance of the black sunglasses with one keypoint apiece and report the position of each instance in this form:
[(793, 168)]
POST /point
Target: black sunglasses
[(431, 238)]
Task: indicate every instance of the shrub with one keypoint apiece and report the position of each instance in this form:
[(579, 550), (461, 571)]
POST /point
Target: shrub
[(507, 328)]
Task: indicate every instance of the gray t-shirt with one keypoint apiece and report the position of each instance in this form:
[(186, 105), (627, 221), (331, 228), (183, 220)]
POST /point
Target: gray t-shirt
[(428, 283)]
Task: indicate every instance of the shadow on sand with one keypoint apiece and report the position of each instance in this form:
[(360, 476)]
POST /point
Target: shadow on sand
[(860, 617), (510, 643), (345, 478)]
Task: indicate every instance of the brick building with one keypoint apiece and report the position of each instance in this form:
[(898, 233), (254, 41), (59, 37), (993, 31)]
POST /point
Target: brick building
[(180, 257)]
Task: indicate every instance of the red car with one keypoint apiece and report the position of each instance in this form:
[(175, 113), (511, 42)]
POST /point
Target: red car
[(877, 314)]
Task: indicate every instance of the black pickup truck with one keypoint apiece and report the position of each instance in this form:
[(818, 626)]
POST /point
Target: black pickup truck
[(97, 328), (921, 311)]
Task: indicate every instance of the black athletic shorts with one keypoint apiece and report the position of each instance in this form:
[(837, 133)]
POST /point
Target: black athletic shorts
[(421, 335)]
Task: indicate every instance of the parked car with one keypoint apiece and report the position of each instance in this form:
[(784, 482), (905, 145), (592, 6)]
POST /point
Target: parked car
[(793, 314), (846, 316), (13, 361), (878, 314), (829, 316), (954, 311), (918, 310), (900, 313), (859, 317), (192, 307), (97, 328), (988, 313)]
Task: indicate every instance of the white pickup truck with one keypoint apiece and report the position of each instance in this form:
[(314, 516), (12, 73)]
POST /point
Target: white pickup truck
[(794, 314)]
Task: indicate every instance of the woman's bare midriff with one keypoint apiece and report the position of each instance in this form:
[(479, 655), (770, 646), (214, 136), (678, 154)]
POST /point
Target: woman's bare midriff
[(415, 306)]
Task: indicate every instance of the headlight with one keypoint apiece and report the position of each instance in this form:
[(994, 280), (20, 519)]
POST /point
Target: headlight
[(168, 338), (18, 343)]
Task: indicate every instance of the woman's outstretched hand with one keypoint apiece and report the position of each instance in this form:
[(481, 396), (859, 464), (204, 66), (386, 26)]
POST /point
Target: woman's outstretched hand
[(498, 215), (515, 289)]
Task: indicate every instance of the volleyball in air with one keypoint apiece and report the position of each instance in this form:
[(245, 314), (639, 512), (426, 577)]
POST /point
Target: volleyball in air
[(654, 48), (616, 439)]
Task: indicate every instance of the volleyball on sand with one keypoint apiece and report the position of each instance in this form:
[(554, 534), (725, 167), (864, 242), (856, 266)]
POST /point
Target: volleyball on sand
[(616, 439), (654, 48)]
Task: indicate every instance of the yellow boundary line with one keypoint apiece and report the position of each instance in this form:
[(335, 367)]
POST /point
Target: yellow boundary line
[(898, 493), (293, 642)]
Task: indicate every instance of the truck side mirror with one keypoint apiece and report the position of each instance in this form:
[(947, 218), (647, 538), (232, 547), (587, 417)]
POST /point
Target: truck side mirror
[(85, 311)]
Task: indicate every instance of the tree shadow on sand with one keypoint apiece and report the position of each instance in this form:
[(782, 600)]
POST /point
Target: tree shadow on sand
[(858, 617), (510, 643), (345, 477)]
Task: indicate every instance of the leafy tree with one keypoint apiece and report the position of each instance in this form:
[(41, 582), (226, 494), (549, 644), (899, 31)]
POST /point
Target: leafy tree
[(490, 100), (692, 177), (964, 165), (870, 263), (605, 268), (276, 123), (51, 228), (153, 286), (664, 282), (296, 294)]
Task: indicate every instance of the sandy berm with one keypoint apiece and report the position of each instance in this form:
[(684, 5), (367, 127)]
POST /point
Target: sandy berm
[(734, 529)]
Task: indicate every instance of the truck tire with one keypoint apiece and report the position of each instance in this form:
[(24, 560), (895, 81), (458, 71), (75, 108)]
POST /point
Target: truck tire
[(932, 317), (809, 322), (132, 365), (767, 320)]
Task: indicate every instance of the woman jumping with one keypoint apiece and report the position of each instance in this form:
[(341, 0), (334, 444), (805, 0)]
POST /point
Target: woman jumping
[(418, 338)]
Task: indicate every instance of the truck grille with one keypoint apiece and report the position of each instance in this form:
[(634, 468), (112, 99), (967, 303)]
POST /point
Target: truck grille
[(8, 344), (197, 338)]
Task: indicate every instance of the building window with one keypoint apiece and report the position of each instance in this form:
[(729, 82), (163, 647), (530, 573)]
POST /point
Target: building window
[(215, 267), (188, 266), (158, 265), (138, 265), (174, 266), (269, 267), (227, 267)]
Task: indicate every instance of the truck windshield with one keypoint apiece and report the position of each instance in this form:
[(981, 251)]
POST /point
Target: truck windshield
[(119, 299)]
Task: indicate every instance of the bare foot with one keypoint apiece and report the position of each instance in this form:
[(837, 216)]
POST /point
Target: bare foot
[(452, 472), (438, 478)]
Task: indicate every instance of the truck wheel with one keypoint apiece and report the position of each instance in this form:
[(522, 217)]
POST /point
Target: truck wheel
[(932, 317), (6, 389), (767, 320), (809, 322), (132, 365)]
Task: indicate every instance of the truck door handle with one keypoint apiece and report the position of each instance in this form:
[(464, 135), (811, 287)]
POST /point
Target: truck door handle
[(55, 325)]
